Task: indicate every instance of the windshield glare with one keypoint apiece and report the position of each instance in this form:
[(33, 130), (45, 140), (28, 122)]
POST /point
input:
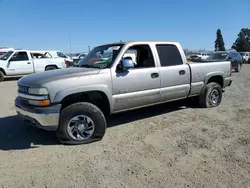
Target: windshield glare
[(100, 57), (219, 56), (6, 56)]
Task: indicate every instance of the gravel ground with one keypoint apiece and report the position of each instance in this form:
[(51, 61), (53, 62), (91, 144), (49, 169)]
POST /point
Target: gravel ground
[(170, 145)]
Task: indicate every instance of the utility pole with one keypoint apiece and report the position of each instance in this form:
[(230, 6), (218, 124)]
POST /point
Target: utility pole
[(89, 48)]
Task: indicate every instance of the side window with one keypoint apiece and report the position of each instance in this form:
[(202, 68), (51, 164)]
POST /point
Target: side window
[(141, 55), (169, 55), (20, 56)]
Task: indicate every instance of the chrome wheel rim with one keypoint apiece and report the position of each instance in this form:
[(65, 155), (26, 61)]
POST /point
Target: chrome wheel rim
[(215, 96), (81, 127)]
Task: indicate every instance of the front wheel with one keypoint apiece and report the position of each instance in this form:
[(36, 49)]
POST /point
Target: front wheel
[(212, 95), (81, 123)]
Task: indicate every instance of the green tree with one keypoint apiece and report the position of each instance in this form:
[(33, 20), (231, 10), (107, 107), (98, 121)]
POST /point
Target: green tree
[(219, 42), (242, 43)]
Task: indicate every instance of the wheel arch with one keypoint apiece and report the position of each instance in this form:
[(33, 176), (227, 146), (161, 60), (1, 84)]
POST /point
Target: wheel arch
[(86, 94)]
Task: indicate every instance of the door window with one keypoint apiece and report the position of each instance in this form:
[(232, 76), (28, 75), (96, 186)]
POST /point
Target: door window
[(169, 55), (141, 55), (20, 56)]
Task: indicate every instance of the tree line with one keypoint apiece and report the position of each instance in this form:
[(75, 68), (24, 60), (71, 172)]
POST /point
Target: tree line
[(241, 44)]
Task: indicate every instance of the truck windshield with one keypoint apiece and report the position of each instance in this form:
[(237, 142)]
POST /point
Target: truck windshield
[(100, 57), (6, 56), (220, 56)]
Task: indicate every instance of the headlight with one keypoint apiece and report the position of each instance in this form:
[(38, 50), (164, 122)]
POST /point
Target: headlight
[(38, 91)]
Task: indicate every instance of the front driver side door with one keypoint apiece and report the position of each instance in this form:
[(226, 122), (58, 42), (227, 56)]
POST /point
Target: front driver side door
[(136, 87), (20, 64)]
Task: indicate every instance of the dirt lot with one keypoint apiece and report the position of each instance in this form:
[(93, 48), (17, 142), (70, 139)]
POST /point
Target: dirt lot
[(171, 145)]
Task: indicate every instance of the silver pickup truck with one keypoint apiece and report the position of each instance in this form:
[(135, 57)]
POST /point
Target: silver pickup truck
[(75, 101)]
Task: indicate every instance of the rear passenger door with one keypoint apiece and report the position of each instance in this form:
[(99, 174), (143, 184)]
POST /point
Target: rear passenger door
[(175, 76), (20, 63)]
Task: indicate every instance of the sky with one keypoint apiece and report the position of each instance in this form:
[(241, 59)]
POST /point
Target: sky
[(73, 25)]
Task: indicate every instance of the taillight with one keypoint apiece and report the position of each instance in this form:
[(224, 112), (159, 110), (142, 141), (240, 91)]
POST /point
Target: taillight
[(66, 63)]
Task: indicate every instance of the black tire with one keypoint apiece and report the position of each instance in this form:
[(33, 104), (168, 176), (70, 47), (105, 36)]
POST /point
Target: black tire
[(78, 109), (205, 99), (1, 76), (50, 68), (238, 68)]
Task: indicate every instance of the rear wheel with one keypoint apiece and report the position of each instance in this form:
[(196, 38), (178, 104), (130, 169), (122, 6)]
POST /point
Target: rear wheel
[(81, 123), (50, 68), (212, 95), (1, 76)]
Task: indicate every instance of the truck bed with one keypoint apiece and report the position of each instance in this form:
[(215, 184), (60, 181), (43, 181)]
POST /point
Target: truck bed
[(200, 73)]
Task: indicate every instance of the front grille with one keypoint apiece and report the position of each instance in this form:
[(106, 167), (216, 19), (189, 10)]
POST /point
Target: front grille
[(24, 101), (23, 89)]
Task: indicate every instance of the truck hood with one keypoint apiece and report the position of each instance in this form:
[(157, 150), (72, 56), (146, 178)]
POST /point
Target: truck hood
[(44, 78)]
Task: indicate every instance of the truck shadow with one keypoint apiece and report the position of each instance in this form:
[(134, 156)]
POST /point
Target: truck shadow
[(12, 78), (147, 112), (15, 134)]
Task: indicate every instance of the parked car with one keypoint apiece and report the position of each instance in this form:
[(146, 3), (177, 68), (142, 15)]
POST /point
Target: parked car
[(78, 57), (58, 54), (232, 56), (23, 62), (203, 55), (74, 101), (4, 50), (245, 56)]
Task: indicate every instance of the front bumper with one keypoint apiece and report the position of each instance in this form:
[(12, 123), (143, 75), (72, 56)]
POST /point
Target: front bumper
[(46, 118)]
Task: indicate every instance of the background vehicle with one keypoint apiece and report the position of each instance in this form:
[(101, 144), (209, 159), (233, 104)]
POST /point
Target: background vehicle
[(202, 55), (75, 101), (245, 56), (4, 50), (23, 62), (78, 57), (232, 56), (58, 54)]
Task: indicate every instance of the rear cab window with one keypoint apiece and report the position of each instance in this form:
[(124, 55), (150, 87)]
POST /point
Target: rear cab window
[(169, 55)]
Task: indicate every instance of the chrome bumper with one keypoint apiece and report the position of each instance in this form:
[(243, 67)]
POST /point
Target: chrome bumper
[(42, 119), (46, 118)]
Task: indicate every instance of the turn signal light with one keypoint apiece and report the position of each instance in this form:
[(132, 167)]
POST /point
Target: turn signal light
[(44, 103)]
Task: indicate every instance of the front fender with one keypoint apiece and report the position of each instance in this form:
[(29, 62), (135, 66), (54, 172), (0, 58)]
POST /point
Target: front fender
[(66, 92)]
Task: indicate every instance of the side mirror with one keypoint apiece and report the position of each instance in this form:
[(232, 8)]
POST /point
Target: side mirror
[(127, 64), (12, 59), (229, 58)]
